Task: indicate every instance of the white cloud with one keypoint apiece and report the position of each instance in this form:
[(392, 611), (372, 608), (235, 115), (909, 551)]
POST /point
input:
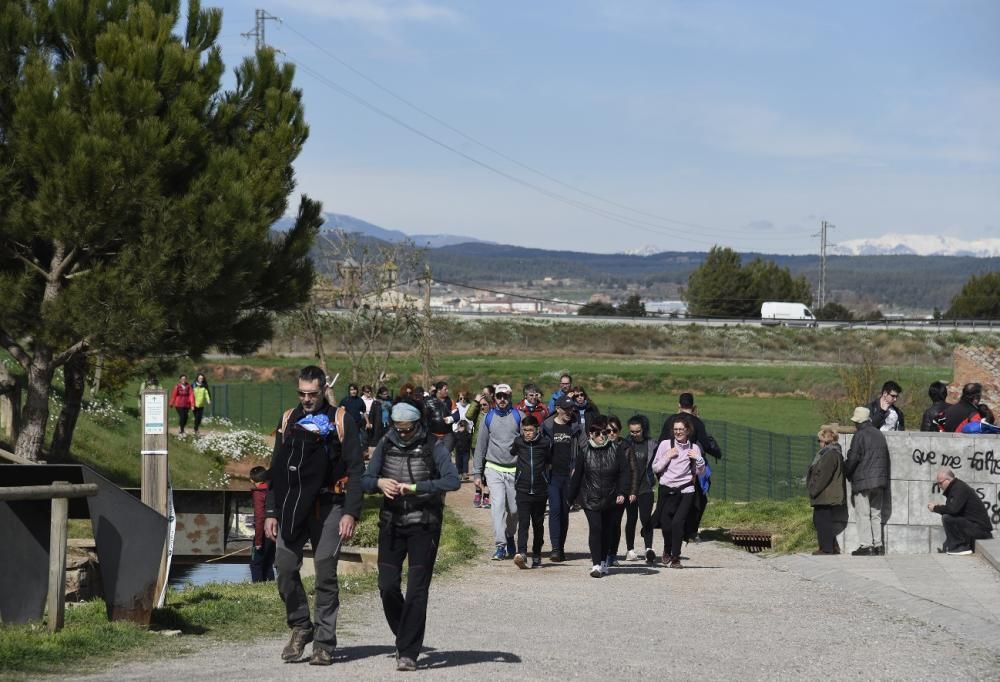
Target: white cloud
[(377, 13)]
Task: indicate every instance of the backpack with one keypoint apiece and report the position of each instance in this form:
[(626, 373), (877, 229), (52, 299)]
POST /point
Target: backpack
[(517, 418)]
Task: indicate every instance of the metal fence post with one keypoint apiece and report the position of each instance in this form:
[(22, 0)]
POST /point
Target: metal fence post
[(260, 404), (749, 461), (725, 458), (227, 402), (770, 466), (789, 442), (243, 403)]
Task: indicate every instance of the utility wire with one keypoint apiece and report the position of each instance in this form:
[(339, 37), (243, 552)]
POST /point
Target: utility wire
[(501, 154)]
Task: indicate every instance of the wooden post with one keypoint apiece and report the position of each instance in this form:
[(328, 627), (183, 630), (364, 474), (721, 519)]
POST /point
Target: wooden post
[(154, 461), (57, 561)]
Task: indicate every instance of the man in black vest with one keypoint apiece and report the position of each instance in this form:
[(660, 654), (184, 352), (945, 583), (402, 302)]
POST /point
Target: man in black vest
[(413, 470), (315, 495)]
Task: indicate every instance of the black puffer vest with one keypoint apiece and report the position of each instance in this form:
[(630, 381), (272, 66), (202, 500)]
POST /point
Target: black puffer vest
[(410, 462), (600, 476)]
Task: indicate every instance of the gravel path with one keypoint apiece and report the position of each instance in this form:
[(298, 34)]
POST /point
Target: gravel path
[(728, 614)]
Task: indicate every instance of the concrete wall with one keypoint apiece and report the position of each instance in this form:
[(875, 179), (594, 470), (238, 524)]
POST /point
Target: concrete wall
[(909, 527)]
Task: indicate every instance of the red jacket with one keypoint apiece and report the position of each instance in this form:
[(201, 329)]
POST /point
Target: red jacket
[(258, 495), (182, 396), (539, 411)]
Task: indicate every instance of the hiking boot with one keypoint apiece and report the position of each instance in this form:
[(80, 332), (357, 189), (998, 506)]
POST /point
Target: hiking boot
[(596, 572), (862, 551), (500, 554), (477, 499), (675, 563), (520, 560), (666, 559), (296, 644), (405, 664), (511, 547), (557, 556), (631, 556), (536, 561), (650, 555), (321, 657)]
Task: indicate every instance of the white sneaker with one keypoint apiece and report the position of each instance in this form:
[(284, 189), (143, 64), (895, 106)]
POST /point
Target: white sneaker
[(596, 572), (603, 568), (960, 551), (631, 556)]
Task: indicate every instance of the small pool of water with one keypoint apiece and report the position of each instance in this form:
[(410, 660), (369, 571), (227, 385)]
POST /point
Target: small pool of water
[(201, 574)]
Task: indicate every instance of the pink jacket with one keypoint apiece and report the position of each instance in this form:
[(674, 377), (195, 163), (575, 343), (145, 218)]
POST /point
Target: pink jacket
[(676, 472)]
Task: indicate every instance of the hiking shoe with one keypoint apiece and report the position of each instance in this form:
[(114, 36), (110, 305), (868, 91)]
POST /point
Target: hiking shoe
[(511, 547), (675, 563), (297, 644), (520, 560), (321, 657), (500, 554), (862, 551), (666, 559), (477, 499), (557, 556), (960, 550), (878, 550), (596, 572), (485, 503), (631, 556), (536, 561), (405, 664), (650, 555)]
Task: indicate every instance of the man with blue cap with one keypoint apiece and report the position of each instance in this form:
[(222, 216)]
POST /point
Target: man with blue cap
[(413, 471)]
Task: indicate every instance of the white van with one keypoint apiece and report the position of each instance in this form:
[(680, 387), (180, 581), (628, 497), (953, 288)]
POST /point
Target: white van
[(773, 313)]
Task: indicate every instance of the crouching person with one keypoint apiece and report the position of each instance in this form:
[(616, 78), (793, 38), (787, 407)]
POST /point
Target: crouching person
[(963, 515), (413, 470)]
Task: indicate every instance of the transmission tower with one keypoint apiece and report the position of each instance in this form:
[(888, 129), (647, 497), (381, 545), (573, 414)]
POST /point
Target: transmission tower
[(824, 226), (261, 18)]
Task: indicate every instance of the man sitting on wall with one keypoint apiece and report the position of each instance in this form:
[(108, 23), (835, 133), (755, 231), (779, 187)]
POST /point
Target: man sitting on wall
[(963, 515)]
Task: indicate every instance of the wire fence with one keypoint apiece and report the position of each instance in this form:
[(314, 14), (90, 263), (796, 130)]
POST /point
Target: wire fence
[(755, 464)]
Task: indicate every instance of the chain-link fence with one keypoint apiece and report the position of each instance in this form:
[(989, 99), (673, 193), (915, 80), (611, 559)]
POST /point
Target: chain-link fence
[(755, 464)]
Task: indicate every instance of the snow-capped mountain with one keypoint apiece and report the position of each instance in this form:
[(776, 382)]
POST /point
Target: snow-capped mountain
[(644, 250), (918, 245)]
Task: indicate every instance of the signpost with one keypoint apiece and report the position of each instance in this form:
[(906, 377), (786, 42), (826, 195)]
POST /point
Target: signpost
[(155, 474)]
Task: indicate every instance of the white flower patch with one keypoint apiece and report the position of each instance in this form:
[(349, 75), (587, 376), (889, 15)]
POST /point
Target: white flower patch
[(104, 412), (234, 445)]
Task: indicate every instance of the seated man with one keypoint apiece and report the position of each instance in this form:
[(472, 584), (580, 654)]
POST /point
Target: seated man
[(963, 514)]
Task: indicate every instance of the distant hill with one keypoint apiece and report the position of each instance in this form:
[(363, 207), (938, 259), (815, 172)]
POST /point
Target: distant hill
[(347, 223), (918, 245)]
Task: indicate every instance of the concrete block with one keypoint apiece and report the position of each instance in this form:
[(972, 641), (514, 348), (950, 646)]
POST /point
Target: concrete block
[(990, 551), (907, 539), (937, 537), (896, 510), (920, 494), (913, 457), (848, 539), (982, 465)]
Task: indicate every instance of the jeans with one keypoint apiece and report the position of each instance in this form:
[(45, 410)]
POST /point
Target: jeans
[(674, 513), (323, 532), (558, 510), (262, 562), (868, 516), (642, 511), (601, 524), (407, 616), (530, 509), (504, 504), (462, 462)]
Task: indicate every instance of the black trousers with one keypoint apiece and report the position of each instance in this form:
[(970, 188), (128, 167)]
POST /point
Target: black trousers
[(601, 523), (825, 532), (407, 617), (673, 515), (960, 532), (616, 529), (530, 508), (639, 511), (199, 414), (182, 417)]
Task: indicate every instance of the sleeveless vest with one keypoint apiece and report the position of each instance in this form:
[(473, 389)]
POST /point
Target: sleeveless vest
[(410, 463)]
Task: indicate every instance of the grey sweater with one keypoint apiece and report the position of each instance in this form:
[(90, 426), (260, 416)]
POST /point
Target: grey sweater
[(494, 441)]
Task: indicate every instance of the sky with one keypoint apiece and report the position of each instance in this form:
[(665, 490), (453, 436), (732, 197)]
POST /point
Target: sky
[(602, 125)]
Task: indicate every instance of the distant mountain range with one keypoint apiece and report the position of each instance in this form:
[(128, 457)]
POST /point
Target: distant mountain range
[(340, 221), (918, 245)]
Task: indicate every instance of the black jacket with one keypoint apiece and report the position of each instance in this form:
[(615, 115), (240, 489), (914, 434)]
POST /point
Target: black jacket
[(600, 475), (699, 437), (867, 465), (305, 465), (435, 412), (878, 415), (962, 501), (562, 466), (640, 463), (932, 415), (958, 415), (533, 461)]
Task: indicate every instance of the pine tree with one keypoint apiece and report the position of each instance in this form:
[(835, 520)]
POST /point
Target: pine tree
[(720, 287), (137, 197), (979, 299)]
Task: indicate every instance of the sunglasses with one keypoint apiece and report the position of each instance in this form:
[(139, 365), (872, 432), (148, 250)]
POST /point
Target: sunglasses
[(893, 395), (600, 432), (308, 394), (404, 431), (502, 396)]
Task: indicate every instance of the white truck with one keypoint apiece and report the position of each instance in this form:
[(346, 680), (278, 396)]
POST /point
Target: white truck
[(774, 313)]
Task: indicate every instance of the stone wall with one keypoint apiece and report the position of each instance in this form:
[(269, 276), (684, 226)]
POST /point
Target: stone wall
[(977, 365), (909, 527)]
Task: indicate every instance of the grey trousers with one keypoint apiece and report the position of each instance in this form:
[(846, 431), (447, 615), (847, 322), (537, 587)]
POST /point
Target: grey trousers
[(868, 516), (324, 534), (503, 501)]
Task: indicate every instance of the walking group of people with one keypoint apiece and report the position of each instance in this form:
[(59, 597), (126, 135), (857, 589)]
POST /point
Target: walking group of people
[(525, 457)]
